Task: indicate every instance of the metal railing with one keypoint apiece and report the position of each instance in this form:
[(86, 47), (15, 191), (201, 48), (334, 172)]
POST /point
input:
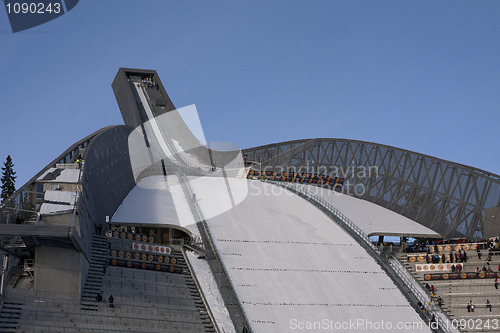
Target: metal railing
[(415, 287), (70, 165), (29, 265)]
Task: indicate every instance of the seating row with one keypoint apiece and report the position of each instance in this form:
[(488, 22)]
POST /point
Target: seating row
[(129, 255), (144, 265), (133, 236)]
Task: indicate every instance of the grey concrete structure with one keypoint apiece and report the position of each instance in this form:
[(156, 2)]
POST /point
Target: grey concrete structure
[(130, 106)]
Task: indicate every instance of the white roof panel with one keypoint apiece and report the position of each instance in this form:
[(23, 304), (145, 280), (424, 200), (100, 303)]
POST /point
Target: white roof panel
[(154, 201), (371, 218)]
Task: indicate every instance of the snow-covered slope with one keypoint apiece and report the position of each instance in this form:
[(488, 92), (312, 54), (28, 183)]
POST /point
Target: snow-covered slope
[(293, 267)]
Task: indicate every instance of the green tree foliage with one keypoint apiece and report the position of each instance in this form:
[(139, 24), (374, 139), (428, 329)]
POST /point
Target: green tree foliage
[(8, 179)]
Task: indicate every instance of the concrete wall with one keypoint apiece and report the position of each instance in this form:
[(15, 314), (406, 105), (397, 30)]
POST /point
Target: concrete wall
[(59, 219), (59, 272)]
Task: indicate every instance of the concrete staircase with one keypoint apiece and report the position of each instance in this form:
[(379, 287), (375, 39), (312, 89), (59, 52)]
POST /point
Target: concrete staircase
[(180, 287), (93, 283), (194, 292), (145, 300), (9, 316)]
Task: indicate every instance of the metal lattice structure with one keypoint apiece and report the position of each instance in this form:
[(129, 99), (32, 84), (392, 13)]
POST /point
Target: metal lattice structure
[(453, 199)]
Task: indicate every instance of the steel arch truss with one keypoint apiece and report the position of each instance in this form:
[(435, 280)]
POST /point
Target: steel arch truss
[(453, 199)]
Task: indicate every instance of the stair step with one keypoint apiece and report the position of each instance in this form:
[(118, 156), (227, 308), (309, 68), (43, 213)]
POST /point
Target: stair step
[(101, 261), (94, 278), (10, 309), (95, 268), (92, 286), (93, 283)]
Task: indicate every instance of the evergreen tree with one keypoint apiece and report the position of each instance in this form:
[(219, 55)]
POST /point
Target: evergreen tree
[(8, 179)]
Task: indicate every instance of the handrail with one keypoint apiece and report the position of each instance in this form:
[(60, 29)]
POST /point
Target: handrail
[(415, 288), (203, 297), (69, 165)]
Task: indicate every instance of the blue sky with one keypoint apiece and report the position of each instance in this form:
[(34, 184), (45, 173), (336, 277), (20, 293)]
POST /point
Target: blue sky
[(420, 75)]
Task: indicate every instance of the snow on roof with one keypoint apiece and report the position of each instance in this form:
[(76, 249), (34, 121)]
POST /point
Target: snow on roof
[(50, 170), (66, 197), (48, 208), (291, 265), (55, 175), (371, 218)]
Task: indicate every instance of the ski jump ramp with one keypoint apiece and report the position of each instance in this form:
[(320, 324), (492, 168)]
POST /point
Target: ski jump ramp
[(295, 269)]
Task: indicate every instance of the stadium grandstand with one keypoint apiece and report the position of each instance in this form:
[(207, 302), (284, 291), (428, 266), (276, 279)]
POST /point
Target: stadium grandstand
[(142, 227)]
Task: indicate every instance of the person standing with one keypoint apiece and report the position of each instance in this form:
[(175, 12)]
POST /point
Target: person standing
[(488, 304), (111, 300), (496, 283)]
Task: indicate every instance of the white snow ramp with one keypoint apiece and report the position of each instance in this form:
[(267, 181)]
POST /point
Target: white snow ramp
[(295, 270)]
